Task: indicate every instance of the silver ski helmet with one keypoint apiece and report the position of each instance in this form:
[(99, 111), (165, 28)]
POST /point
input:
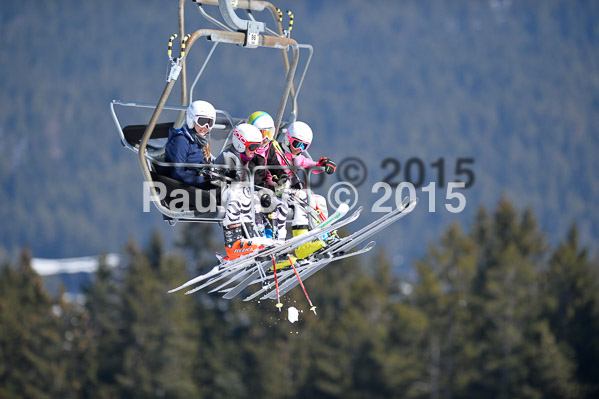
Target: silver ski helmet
[(200, 112)]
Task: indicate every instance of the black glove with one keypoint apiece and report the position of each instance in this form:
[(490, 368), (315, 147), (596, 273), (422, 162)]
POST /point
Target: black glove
[(280, 180), (280, 183), (231, 173), (329, 166)]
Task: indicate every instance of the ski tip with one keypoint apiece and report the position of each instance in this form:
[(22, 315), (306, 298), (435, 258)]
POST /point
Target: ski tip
[(192, 291), (370, 245), (187, 284), (313, 309), (343, 208), (175, 289)]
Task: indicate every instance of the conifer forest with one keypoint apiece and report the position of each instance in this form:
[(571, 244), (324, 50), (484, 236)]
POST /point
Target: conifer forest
[(488, 291)]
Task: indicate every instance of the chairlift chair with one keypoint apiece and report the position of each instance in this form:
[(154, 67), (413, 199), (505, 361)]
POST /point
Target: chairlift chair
[(148, 140)]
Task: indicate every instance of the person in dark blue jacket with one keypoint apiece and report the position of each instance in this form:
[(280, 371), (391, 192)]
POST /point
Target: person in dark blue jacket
[(189, 144)]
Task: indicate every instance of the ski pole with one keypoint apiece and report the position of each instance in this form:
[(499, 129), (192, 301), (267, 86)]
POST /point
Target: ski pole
[(315, 207), (274, 268), (280, 152), (313, 308)]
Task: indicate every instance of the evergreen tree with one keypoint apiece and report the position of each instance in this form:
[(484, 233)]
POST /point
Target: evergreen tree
[(573, 308), (159, 332), (340, 352), (489, 314), (200, 241), (30, 341), (79, 355), (444, 295), (510, 329), (105, 324)]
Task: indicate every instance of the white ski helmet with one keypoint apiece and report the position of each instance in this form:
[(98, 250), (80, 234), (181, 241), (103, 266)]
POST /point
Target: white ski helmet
[(299, 131), (200, 109), (263, 122), (246, 136)]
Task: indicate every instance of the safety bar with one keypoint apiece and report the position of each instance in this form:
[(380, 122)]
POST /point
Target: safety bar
[(307, 171), (179, 215)]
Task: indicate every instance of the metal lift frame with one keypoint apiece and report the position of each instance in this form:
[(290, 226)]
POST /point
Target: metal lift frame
[(245, 33)]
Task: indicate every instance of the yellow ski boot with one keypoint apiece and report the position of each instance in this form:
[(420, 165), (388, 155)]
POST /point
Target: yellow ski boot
[(307, 249), (284, 262)]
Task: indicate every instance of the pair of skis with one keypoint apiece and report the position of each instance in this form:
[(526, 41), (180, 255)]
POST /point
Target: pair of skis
[(335, 251), (254, 268), (334, 222)]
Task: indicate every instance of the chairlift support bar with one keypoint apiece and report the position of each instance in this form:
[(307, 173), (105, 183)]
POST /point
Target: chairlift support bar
[(252, 28), (228, 14), (248, 5)]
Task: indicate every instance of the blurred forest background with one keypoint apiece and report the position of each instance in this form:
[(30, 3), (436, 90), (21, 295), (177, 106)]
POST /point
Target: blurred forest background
[(512, 85), (492, 311), (500, 300)]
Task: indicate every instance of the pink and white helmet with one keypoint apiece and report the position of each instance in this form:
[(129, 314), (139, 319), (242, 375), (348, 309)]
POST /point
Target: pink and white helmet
[(246, 136), (299, 135)]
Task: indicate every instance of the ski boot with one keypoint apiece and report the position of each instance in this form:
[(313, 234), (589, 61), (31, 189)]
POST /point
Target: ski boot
[(282, 261), (307, 249), (331, 237), (237, 245)]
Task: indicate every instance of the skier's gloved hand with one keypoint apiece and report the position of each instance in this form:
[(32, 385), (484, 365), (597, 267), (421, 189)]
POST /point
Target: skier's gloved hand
[(281, 183), (329, 166), (280, 180), (232, 174), (217, 175)]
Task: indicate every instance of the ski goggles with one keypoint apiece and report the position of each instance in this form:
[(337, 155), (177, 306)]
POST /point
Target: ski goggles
[(204, 121), (267, 133), (252, 146), (298, 144)]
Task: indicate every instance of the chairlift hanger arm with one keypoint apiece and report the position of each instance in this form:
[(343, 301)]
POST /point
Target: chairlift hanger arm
[(264, 41), (248, 5), (184, 100), (254, 5)]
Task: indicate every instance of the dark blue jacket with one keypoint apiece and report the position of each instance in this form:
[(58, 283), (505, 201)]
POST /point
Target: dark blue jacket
[(182, 148)]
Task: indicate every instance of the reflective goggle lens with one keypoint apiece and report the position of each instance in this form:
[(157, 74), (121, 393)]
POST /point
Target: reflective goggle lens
[(253, 146), (268, 133), (299, 145), (204, 121)]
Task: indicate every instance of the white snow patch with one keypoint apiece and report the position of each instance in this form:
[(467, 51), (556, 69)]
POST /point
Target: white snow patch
[(406, 288), (292, 314), (87, 264)]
